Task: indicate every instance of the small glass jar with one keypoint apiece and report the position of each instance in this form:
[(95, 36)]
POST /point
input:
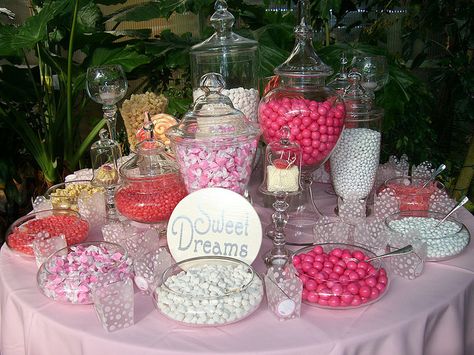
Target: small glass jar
[(411, 192), (234, 57), (215, 144), (282, 166), (151, 184)]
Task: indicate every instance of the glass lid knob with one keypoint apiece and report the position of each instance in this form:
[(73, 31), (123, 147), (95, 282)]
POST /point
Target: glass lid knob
[(222, 20), (212, 82)]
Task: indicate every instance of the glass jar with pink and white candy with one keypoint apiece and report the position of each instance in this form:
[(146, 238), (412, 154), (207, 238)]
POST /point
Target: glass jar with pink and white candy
[(215, 144)]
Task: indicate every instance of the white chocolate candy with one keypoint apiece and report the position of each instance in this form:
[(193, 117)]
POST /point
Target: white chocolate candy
[(282, 179), (210, 294)]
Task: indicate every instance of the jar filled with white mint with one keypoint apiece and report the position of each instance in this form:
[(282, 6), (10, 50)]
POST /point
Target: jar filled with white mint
[(232, 56), (355, 159)]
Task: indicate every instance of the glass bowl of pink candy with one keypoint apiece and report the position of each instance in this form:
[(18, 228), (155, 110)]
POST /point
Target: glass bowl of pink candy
[(337, 275), (411, 193), (70, 274), (53, 222)]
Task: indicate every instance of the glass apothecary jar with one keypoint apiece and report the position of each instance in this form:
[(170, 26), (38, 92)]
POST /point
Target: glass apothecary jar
[(215, 144), (152, 185), (232, 56), (314, 113)]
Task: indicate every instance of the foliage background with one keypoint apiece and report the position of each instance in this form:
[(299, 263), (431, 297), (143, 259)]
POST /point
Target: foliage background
[(47, 122)]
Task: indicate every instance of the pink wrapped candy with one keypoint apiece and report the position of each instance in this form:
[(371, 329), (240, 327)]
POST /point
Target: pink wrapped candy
[(226, 164), (70, 274), (214, 143)]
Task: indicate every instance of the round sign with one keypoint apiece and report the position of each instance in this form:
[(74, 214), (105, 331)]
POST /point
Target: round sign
[(214, 222)]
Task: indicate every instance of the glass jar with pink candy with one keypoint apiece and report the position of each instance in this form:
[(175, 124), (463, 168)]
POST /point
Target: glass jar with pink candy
[(215, 144), (313, 112)]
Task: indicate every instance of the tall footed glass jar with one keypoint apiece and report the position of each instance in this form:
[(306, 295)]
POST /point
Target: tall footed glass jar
[(355, 161), (314, 113), (234, 57)]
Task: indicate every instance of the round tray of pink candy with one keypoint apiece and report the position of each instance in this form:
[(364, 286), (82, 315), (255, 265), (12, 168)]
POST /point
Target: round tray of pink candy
[(70, 274), (338, 275)]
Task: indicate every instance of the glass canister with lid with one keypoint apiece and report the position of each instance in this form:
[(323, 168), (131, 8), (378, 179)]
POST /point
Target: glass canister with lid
[(234, 57), (152, 185), (214, 143), (314, 112)]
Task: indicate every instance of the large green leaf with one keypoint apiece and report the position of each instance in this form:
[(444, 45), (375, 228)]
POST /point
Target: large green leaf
[(126, 56), (88, 16), (33, 30)]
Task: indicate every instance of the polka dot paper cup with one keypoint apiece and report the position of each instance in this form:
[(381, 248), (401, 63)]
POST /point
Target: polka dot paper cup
[(53, 222), (339, 276), (209, 291), (443, 241)]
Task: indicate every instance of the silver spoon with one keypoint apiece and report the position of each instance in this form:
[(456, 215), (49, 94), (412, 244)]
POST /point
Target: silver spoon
[(434, 175), (405, 250), (454, 209)]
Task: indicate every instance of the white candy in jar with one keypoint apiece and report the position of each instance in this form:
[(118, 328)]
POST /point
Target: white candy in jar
[(354, 162), (282, 179), (210, 294), (245, 100), (446, 240)]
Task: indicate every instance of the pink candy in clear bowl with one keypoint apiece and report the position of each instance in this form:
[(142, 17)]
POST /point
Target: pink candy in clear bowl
[(214, 144), (338, 275), (70, 274)]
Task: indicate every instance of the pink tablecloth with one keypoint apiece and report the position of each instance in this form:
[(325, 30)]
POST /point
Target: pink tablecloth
[(433, 314)]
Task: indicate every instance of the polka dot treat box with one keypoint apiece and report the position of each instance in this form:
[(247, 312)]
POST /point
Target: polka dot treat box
[(283, 289), (114, 304)]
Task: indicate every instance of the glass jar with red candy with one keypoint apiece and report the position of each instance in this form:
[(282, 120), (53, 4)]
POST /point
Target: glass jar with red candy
[(151, 184)]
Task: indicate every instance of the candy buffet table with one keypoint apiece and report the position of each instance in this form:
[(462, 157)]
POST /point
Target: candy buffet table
[(433, 314)]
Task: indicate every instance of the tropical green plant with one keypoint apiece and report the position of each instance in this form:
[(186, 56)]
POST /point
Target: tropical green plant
[(43, 101)]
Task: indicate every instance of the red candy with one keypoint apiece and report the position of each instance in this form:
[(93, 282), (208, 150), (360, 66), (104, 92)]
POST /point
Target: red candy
[(316, 126), (150, 201), (74, 229), (347, 279), (413, 197)]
